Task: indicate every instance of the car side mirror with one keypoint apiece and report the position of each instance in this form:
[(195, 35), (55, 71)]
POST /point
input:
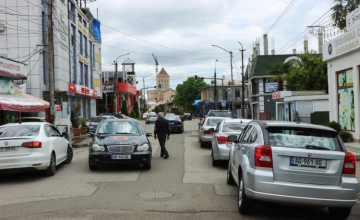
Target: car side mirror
[(233, 138), (65, 135), (91, 134), (211, 130), (148, 134)]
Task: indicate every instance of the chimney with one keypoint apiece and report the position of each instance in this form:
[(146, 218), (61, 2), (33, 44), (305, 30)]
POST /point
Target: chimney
[(320, 41), (266, 49), (254, 52), (273, 47), (257, 48), (306, 45), (294, 51)]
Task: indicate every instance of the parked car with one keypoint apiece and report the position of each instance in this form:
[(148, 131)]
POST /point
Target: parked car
[(119, 141), (145, 115), (33, 146), (30, 119), (175, 111), (293, 163), (220, 144), (175, 123), (117, 115), (94, 122), (151, 118), (205, 136), (186, 116), (220, 113)]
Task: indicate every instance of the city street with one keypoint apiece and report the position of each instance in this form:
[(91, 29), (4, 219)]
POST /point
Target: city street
[(185, 186)]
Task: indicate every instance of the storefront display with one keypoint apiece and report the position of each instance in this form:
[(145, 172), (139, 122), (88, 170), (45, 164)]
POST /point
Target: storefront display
[(346, 103)]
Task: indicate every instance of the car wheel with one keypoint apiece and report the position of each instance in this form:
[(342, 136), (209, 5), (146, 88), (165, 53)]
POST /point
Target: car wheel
[(69, 156), (215, 163), (147, 166), (229, 178), (50, 171), (182, 130), (245, 204), (339, 213), (202, 144), (93, 167)]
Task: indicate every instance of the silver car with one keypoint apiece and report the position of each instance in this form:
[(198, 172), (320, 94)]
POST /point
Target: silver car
[(145, 115), (220, 144), (293, 163), (151, 118), (96, 120), (205, 136)]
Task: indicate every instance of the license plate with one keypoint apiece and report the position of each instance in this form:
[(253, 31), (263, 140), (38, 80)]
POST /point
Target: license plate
[(4, 149), (120, 157), (172, 123), (307, 162)]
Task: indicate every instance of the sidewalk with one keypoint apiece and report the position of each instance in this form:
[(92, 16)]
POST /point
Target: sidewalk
[(79, 141), (354, 148)]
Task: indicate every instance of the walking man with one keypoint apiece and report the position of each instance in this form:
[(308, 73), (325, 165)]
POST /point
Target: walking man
[(160, 130)]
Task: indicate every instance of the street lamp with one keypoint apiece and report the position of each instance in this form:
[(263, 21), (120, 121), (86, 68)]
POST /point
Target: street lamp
[(142, 109), (242, 82), (232, 81), (216, 103), (116, 83)]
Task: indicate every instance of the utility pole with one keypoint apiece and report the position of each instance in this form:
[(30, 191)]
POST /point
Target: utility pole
[(215, 92), (51, 62), (242, 82), (232, 84), (115, 88)]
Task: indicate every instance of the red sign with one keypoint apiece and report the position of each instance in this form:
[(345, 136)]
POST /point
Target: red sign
[(12, 68), (276, 95), (82, 90)]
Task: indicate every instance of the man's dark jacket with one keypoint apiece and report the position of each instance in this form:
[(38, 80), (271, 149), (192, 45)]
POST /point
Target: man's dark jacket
[(162, 127)]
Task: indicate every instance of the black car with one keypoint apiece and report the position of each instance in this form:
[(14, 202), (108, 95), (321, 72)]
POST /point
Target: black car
[(175, 123), (186, 116), (119, 141)]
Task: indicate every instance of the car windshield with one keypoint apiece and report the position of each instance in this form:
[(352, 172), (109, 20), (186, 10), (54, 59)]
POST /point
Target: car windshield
[(19, 131), (213, 121), (29, 120), (172, 117), (219, 114), (233, 127), (98, 119), (120, 127), (303, 138)]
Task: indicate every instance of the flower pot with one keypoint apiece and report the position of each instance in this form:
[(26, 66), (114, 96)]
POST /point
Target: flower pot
[(77, 131), (84, 130)]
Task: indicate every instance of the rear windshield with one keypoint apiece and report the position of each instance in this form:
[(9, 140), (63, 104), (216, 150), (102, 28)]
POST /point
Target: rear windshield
[(152, 115), (19, 131), (172, 117), (220, 114), (233, 127), (29, 120), (213, 121), (300, 138), (98, 119)]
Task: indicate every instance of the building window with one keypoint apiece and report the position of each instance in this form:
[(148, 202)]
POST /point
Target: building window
[(85, 23), (93, 55), (90, 65), (45, 69), (346, 103), (73, 54), (225, 94), (44, 28), (79, 18), (63, 1), (85, 47), (71, 11), (86, 76), (81, 73), (237, 93), (80, 43)]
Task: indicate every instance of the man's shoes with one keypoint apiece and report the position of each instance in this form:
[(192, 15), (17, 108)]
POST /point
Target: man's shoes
[(161, 155), (166, 156)]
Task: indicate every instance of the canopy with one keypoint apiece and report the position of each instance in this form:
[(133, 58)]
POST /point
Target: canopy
[(47, 104), (9, 102)]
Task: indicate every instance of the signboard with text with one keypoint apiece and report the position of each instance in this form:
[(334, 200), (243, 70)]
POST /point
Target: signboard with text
[(271, 87), (12, 68), (82, 90)]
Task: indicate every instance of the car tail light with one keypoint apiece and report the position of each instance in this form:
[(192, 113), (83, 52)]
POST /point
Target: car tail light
[(148, 118), (208, 132), (32, 144), (263, 156), (349, 164), (90, 124), (223, 140), (179, 123)]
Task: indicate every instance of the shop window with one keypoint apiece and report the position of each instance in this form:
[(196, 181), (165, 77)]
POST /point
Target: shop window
[(225, 94), (346, 105)]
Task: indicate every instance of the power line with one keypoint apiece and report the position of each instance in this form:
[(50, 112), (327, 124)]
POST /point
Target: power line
[(282, 15)]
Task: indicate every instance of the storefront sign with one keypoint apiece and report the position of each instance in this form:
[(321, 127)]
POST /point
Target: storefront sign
[(108, 88), (11, 68), (271, 87), (7, 86), (281, 94), (82, 90), (353, 19)]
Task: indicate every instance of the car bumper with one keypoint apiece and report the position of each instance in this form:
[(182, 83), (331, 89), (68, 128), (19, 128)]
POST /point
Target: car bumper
[(206, 138), (97, 158), (175, 128), (261, 186), (223, 152), (92, 129), (36, 161)]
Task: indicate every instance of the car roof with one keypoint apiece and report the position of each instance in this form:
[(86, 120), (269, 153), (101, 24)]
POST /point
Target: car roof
[(222, 118), (26, 123), (237, 120), (31, 118), (268, 124), (219, 111), (121, 120)]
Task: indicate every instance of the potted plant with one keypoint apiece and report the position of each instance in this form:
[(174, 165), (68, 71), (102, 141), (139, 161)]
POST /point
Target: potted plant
[(83, 126)]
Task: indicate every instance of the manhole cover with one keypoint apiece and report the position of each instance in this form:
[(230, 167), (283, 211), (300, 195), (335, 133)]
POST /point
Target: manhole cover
[(155, 195)]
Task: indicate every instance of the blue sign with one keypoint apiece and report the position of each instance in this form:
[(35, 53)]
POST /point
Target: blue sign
[(223, 103), (68, 108), (271, 87)]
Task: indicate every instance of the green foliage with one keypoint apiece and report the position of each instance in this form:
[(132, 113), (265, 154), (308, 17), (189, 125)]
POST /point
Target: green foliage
[(334, 125), (309, 74), (133, 113), (157, 109), (136, 109), (279, 71), (77, 107), (82, 122), (124, 108), (341, 9), (346, 136), (162, 107), (187, 92)]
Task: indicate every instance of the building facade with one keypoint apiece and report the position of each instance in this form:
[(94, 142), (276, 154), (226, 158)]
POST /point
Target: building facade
[(163, 94)]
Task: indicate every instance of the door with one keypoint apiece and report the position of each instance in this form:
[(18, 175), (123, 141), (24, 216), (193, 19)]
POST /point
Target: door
[(238, 152), (61, 144), (217, 133)]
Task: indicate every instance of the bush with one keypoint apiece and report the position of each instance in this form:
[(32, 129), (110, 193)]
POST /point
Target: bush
[(136, 109), (132, 114), (334, 125), (124, 108), (345, 136)]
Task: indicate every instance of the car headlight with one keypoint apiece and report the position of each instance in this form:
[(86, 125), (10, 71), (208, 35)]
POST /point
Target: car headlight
[(97, 147), (143, 147)]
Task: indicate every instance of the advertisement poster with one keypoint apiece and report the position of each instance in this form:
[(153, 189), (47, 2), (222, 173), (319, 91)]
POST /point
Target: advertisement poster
[(293, 110), (341, 79), (271, 87), (346, 109), (7, 86), (286, 112), (349, 78)]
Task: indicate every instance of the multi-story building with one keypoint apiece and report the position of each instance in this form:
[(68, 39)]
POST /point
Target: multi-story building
[(163, 93), (76, 51)]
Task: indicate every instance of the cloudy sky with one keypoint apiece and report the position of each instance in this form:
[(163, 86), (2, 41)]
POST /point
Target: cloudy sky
[(180, 33)]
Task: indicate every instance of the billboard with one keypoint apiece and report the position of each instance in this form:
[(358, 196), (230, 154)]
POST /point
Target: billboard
[(271, 87)]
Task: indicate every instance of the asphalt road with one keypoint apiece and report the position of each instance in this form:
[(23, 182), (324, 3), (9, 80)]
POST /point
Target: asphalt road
[(185, 186)]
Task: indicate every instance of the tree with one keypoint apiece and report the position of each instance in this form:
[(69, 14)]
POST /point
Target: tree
[(136, 109), (157, 109), (188, 92), (341, 9), (279, 71), (143, 101), (162, 107), (309, 74), (124, 108), (133, 113)]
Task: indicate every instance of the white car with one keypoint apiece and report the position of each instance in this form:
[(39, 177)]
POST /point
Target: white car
[(33, 146)]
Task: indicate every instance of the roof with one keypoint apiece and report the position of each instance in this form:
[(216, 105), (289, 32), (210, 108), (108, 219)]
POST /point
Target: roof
[(257, 67), (163, 73), (267, 124), (227, 82)]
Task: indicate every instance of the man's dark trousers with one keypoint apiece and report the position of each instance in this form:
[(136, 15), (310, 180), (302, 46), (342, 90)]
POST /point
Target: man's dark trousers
[(162, 140)]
